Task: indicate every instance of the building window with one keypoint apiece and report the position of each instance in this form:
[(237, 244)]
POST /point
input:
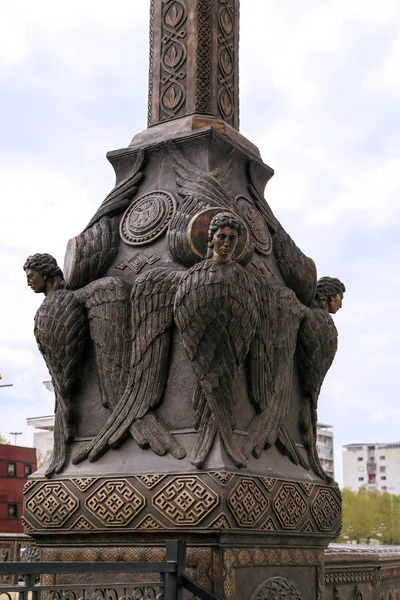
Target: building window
[(360, 458), (384, 488), (383, 477), (382, 469), (382, 457), (12, 511), (27, 470), (361, 479), (361, 469), (11, 469)]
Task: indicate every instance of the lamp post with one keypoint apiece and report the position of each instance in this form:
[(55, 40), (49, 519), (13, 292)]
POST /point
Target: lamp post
[(15, 433)]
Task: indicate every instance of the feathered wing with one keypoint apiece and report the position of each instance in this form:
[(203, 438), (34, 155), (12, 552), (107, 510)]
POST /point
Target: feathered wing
[(152, 300), (216, 315), (198, 190), (61, 332), (268, 427), (108, 306), (316, 349), (119, 198)]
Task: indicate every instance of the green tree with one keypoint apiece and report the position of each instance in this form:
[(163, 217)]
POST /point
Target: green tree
[(3, 440)]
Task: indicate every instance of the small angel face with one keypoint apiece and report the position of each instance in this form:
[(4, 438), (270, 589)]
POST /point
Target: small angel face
[(335, 303), (224, 243), (36, 281)]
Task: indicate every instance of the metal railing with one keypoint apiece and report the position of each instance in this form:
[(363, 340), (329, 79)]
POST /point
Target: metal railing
[(27, 581)]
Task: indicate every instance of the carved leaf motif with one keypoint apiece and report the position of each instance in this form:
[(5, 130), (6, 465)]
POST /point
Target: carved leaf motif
[(174, 15), (172, 97), (173, 57), (226, 21), (225, 103), (226, 63)]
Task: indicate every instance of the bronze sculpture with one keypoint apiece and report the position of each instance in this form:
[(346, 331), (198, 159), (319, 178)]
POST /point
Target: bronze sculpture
[(60, 332), (200, 371)]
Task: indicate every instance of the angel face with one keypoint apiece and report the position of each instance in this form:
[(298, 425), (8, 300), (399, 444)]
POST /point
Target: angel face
[(36, 281), (224, 243), (335, 303)]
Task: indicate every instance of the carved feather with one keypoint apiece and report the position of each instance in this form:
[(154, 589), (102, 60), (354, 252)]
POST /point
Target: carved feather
[(108, 306), (216, 314), (198, 190), (61, 332), (316, 349), (151, 303), (265, 429), (298, 270), (119, 198), (94, 250)]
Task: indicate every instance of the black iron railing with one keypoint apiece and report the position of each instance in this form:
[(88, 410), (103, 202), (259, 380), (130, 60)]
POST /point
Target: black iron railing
[(30, 581)]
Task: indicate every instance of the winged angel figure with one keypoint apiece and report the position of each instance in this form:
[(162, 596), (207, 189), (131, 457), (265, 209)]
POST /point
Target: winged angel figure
[(216, 306), (61, 332)]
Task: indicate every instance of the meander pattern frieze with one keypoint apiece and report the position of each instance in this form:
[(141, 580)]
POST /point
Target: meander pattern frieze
[(209, 500), (185, 500), (236, 558), (52, 504), (248, 502), (289, 506), (115, 503)]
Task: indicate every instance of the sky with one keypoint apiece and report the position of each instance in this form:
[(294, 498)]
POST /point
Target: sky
[(320, 97)]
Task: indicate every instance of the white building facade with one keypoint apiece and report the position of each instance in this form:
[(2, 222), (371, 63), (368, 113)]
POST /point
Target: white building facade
[(325, 448), (375, 466)]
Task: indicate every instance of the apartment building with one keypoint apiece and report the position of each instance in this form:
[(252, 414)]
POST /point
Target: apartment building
[(376, 466), (16, 464), (325, 448)]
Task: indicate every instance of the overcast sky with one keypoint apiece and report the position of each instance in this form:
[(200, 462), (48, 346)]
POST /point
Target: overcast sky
[(320, 97)]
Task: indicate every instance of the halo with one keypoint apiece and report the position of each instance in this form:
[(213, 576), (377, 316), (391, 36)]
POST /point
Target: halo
[(198, 233)]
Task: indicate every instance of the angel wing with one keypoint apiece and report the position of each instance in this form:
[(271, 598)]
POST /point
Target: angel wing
[(316, 349), (216, 314), (61, 332), (298, 270), (119, 198), (268, 429), (108, 306), (199, 190), (152, 300)]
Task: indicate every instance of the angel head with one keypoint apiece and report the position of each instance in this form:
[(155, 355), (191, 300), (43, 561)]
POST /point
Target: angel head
[(223, 235), (329, 294), (43, 274)]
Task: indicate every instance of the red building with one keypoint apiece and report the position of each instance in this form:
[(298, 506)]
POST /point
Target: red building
[(16, 464)]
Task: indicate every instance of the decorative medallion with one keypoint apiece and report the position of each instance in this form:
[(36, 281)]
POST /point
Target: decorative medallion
[(248, 502), (147, 218), (276, 588), (308, 527), (198, 233), (259, 230), (185, 500), (52, 504), (289, 506), (115, 503), (326, 509)]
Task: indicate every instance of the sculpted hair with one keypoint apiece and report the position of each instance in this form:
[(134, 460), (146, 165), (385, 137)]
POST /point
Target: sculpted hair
[(47, 266), (223, 220), (328, 287)]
